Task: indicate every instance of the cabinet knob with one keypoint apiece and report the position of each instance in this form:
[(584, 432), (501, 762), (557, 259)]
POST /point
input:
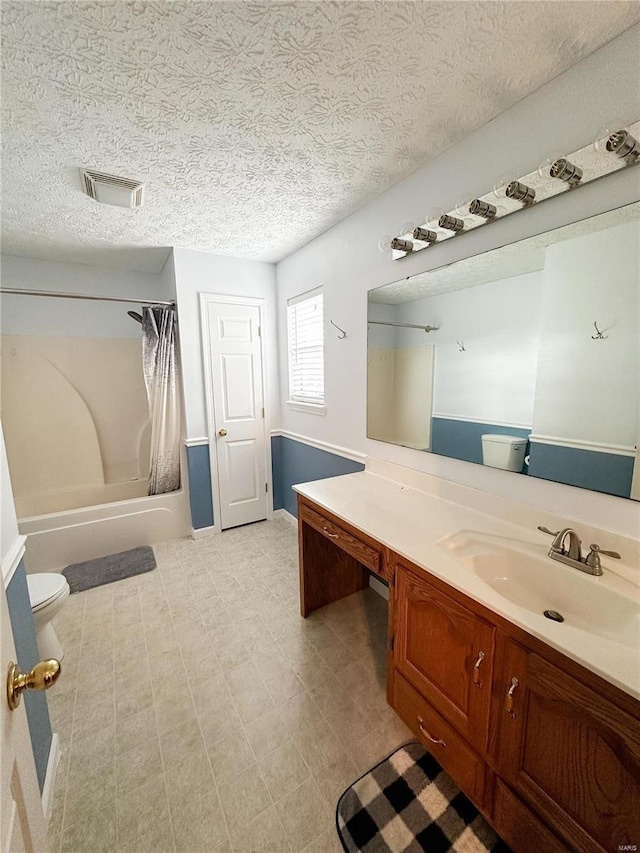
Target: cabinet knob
[(433, 739), (508, 706), (476, 670)]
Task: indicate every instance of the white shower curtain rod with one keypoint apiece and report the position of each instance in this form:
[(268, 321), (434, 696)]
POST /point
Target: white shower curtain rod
[(59, 295), (404, 325)]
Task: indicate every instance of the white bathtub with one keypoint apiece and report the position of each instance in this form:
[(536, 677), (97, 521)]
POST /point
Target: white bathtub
[(56, 539)]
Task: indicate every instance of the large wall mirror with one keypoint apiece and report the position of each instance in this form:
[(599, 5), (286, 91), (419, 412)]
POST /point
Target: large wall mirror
[(525, 358)]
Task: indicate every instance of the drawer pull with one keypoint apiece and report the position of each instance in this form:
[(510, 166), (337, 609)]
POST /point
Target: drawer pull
[(437, 740), (331, 535), (509, 703), (476, 670)]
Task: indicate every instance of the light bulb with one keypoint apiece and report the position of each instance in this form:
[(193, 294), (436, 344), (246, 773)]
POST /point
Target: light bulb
[(433, 216), (607, 130), (500, 188), (544, 169), (387, 243), (462, 208)]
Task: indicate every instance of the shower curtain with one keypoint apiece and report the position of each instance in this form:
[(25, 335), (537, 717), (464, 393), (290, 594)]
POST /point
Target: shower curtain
[(159, 363)]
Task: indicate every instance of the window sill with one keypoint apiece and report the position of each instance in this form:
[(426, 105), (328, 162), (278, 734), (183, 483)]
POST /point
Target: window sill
[(309, 408)]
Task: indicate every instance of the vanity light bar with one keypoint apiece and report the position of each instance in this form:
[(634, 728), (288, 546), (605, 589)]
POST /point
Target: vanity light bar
[(615, 151)]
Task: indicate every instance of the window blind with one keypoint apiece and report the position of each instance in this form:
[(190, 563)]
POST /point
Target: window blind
[(306, 347)]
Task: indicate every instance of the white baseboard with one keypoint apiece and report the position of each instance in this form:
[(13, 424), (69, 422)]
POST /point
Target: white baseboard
[(198, 533), (48, 788), (283, 513), (379, 587)]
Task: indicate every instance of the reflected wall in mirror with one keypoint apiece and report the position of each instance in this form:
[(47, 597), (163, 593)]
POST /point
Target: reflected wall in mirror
[(513, 373)]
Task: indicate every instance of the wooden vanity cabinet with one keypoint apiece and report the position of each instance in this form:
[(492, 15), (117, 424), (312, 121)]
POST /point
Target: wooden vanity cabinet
[(547, 750), (550, 745), (445, 651), (334, 558), (570, 752)]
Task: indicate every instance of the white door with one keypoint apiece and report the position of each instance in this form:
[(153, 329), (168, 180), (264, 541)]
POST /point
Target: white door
[(635, 482), (237, 421), (23, 826)]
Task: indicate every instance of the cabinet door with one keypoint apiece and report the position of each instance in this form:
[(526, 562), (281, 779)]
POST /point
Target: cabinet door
[(446, 652), (573, 755)]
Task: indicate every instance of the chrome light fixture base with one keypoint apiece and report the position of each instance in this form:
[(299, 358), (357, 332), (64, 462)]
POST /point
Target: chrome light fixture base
[(618, 150)]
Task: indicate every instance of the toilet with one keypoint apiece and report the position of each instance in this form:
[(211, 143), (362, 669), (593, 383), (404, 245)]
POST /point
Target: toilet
[(48, 592), (504, 451)]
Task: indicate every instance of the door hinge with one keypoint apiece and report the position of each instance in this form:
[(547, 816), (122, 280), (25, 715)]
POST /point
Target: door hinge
[(259, 331), (391, 642), (263, 411), (266, 487)]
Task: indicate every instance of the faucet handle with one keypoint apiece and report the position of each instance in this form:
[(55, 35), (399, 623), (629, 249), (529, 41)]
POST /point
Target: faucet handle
[(550, 532), (593, 557)]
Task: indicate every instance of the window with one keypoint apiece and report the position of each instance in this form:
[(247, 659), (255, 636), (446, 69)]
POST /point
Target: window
[(305, 329)]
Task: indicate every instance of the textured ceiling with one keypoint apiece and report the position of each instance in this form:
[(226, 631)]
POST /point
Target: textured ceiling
[(507, 261), (255, 126)]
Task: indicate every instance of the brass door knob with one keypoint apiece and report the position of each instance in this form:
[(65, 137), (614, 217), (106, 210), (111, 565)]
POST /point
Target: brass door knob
[(222, 432), (43, 676)]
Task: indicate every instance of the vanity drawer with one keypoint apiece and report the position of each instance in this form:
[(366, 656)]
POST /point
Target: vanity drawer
[(518, 826), (363, 553), (452, 752)]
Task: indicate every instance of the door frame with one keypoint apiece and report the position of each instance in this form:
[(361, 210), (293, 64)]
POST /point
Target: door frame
[(207, 299)]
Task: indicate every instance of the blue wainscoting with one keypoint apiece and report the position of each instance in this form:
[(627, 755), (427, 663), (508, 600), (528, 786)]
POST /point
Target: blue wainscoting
[(294, 462), (24, 637), (200, 498), (463, 439), (587, 469)]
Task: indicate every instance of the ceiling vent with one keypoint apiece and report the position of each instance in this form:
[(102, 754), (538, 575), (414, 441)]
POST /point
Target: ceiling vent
[(110, 189)]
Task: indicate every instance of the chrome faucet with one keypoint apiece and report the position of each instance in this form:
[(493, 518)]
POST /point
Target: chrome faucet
[(572, 555)]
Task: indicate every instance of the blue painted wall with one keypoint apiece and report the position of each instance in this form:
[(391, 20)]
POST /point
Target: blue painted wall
[(24, 637), (294, 462), (463, 439), (200, 498), (587, 469)]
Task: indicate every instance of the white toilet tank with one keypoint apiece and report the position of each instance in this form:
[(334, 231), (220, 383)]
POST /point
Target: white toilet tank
[(503, 451)]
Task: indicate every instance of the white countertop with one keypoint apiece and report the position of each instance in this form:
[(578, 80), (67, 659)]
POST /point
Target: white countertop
[(412, 523)]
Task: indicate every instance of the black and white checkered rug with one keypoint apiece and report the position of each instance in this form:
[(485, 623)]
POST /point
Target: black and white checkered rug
[(408, 804)]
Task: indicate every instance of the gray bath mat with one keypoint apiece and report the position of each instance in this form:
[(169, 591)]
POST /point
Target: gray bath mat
[(115, 567)]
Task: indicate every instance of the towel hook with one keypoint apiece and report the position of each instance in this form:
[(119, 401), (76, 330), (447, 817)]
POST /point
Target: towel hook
[(343, 335), (461, 345), (599, 336)]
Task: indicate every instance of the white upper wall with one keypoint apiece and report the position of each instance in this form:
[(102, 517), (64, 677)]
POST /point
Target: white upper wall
[(563, 115), (75, 318), (201, 272), (589, 390), (494, 379)]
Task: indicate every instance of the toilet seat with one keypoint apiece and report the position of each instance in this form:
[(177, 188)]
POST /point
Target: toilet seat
[(44, 588)]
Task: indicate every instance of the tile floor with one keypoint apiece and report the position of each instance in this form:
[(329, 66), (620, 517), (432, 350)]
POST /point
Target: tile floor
[(198, 711)]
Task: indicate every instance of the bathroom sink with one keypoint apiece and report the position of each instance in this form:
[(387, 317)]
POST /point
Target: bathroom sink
[(522, 573)]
